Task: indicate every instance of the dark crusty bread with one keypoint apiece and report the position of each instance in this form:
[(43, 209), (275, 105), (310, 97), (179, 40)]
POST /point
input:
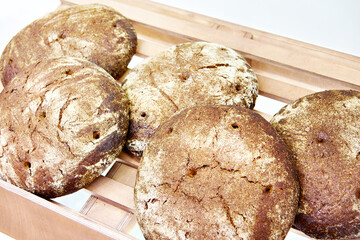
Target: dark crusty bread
[(216, 172), (323, 135), (93, 32), (189, 74), (62, 123)]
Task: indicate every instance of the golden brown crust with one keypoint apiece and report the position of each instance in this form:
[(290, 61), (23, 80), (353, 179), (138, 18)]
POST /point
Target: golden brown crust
[(181, 76), (216, 172), (62, 123), (322, 133), (93, 32)]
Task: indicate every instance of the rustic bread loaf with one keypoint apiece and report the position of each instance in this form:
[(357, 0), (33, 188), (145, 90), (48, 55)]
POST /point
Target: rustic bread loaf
[(93, 32), (216, 172), (62, 123), (322, 133), (181, 76)]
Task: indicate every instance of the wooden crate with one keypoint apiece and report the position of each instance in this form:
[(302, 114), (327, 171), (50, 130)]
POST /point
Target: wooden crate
[(286, 69)]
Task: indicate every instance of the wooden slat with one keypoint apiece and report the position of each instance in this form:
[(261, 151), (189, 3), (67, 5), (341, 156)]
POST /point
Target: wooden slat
[(123, 173), (249, 32), (129, 159), (287, 85), (110, 215), (300, 56), (26, 216), (114, 215), (111, 190)]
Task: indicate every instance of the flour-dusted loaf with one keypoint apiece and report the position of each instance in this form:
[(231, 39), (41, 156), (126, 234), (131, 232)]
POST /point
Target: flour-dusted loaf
[(62, 122), (323, 135), (181, 76), (216, 172), (93, 32)]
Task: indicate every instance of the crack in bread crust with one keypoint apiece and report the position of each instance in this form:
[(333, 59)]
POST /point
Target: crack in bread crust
[(55, 137), (182, 76), (216, 172), (322, 133), (93, 32)]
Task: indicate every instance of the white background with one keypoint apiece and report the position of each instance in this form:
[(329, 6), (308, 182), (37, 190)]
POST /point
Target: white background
[(333, 24)]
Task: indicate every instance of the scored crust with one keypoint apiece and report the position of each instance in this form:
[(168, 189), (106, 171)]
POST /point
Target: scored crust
[(322, 133), (216, 172), (62, 123), (194, 73), (93, 32)]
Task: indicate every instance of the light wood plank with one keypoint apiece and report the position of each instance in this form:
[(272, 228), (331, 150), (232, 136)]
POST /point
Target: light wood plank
[(112, 216), (123, 173), (114, 191), (26, 216)]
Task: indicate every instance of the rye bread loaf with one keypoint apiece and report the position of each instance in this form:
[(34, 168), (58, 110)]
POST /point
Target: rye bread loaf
[(93, 32), (216, 172), (62, 123), (322, 133), (189, 74)]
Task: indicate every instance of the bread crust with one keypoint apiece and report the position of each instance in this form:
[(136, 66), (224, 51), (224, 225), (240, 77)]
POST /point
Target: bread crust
[(323, 136), (188, 74), (216, 172), (93, 32), (62, 123)]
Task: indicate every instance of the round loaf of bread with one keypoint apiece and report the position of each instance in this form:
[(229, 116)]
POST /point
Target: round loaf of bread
[(62, 123), (322, 133), (189, 74), (93, 32), (216, 172)]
